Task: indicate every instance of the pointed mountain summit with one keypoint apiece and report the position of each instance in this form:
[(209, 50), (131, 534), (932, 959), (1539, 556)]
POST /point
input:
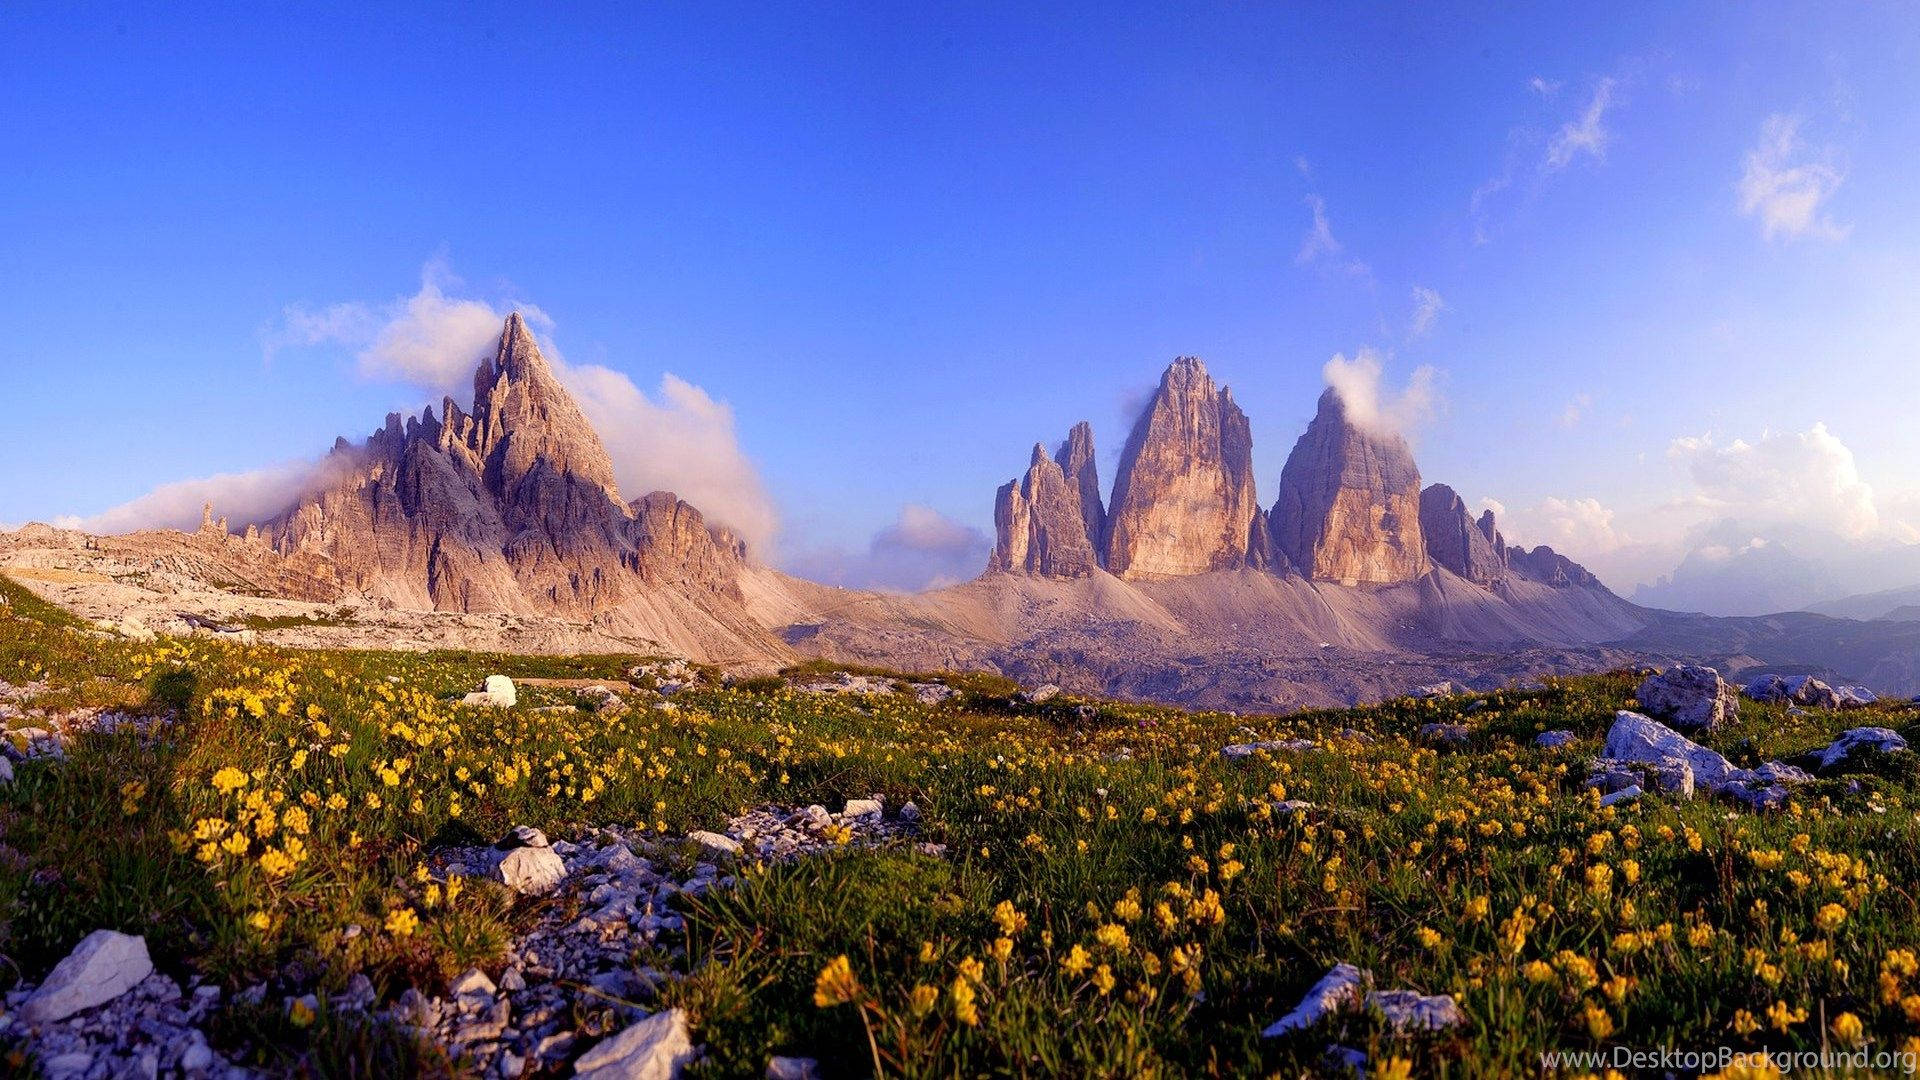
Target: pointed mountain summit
[(1075, 459), (514, 508), (524, 420), (1349, 506), (1039, 524), (1183, 500)]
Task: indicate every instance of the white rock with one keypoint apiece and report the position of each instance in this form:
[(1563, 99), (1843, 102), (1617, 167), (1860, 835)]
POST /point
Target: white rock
[(862, 808), (717, 843), (1237, 751), (472, 981), (1042, 694), (653, 1049), (1642, 739), (1626, 794), (530, 871), (1689, 696), (500, 692), (103, 966), (1336, 990), (6, 770), (1411, 1009), (1554, 740), (1883, 740), (793, 1068), (522, 836)]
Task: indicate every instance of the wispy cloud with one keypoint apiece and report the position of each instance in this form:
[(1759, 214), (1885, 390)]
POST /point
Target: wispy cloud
[(1545, 88), (1785, 189), (1586, 133), (1320, 248), (1427, 306)]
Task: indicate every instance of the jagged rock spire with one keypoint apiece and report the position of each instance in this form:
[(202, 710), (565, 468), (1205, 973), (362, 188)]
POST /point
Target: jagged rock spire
[(1039, 525), (523, 419), (1184, 500), (1455, 541), (1075, 459)]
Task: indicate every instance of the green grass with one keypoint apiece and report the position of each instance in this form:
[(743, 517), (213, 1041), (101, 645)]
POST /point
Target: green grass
[(1474, 872)]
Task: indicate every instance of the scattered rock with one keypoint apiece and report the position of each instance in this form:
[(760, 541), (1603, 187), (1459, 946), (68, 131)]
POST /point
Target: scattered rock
[(1639, 741), (1237, 751), (1871, 739), (103, 966), (1555, 740), (1040, 695), (1435, 690), (1802, 690), (522, 836), (1341, 988), (1448, 735), (1855, 697), (858, 809), (717, 843), (653, 1049), (1689, 697)]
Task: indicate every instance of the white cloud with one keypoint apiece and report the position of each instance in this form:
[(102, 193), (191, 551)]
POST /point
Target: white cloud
[(1370, 405), (1545, 88), (242, 498), (1319, 247), (921, 549), (679, 439), (1585, 135), (1785, 191), (1427, 306), (1806, 478)]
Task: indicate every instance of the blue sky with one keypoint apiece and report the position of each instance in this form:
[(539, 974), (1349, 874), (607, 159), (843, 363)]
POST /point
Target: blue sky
[(1666, 241)]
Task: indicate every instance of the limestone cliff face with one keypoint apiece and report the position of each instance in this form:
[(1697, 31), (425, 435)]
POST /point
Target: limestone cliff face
[(1549, 567), (1349, 506), (514, 508), (1454, 540), (1040, 524), (1184, 501)]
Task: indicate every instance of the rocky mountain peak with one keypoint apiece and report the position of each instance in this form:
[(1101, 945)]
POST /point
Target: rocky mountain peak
[(1349, 506), (1183, 501), (1456, 541), (1039, 526), (524, 419), (1083, 475)]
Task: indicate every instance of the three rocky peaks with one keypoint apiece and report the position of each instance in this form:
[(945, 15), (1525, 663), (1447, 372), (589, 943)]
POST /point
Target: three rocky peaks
[(1350, 507)]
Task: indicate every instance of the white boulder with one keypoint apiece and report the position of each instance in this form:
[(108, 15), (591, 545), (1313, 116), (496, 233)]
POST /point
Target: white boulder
[(531, 871), (656, 1048), (103, 966), (1690, 697)]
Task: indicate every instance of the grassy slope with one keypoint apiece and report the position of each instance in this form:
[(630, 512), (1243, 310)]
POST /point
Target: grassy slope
[(1486, 872)]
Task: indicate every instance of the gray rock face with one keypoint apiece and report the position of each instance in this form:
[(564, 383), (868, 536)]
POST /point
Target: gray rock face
[(653, 1049), (1689, 697), (1184, 500), (1349, 506), (1554, 740), (1454, 540), (1549, 567), (1039, 524), (103, 966)]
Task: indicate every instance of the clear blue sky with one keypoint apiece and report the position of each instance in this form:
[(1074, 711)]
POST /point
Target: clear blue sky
[(903, 246)]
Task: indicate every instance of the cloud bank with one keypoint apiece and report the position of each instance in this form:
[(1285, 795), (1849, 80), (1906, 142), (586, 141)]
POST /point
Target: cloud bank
[(242, 497), (921, 549)]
